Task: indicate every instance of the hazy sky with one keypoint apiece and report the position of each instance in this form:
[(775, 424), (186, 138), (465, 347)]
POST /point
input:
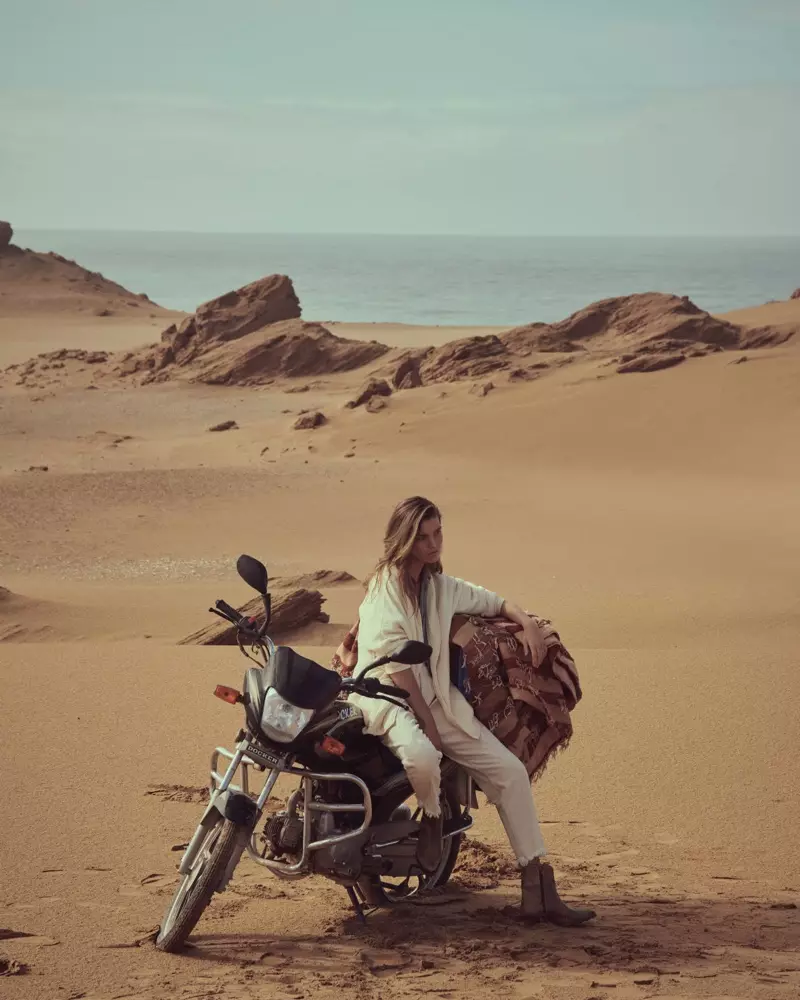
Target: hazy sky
[(421, 116)]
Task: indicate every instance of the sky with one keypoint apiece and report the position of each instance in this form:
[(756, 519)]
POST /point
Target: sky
[(576, 117)]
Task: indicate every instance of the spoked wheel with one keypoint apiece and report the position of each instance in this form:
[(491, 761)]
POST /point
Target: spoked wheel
[(198, 886), (385, 890)]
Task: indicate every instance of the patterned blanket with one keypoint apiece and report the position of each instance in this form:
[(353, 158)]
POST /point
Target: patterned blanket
[(527, 707)]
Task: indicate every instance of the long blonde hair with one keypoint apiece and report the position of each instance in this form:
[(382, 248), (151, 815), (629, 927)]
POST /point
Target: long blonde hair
[(398, 541)]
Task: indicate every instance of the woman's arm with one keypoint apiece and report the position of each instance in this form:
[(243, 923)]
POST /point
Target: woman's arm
[(532, 639), (405, 679), (383, 622), (469, 599)]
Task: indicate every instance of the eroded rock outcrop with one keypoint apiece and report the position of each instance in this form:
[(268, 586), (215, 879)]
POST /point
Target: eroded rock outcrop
[(289, 349), (407, 375), (650, 363), (374, 387), (34, 372), (764, 337), (646, 317), (468, 358), (292, 610), (233, 316), (309, 421), (38, 283), (482, 389), (251, 336)]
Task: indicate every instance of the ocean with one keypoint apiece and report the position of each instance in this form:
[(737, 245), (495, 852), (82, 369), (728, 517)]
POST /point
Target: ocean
[(446, 280)]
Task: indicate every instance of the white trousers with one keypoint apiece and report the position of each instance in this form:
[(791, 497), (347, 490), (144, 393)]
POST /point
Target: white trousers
[(502, 777)]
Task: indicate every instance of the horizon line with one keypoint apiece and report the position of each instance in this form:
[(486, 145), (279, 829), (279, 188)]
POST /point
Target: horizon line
[(395, 235)]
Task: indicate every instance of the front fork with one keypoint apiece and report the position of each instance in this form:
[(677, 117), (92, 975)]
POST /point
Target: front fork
[(231, 802)]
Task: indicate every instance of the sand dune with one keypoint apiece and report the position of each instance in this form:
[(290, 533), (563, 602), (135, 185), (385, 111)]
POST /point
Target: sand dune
[(653, 517), (49, 284), (48, 302)]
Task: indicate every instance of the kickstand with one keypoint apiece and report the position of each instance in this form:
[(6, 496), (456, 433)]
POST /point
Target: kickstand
[(360, 915)]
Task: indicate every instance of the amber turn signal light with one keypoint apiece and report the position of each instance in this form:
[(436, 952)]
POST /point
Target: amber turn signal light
[(231, 695), (330, 745)]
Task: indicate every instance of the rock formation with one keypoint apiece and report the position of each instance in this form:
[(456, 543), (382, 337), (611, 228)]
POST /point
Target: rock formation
[(375, 387), (642, 318), (482, 389), (292, 610), (468, 358), (291, 349), (650, 363), (406, 375), (232, 316), (250, 336), (254, 335), (308, 421), (765, 336), (32, 372), (33, 282)]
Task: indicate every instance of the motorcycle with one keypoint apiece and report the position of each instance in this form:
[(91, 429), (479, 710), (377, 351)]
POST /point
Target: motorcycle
[(347, 820)]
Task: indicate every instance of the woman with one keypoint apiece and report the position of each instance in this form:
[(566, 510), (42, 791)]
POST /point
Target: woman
[(410, 597)]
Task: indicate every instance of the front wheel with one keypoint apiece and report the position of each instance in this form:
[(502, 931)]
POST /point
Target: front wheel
[(199, 885)]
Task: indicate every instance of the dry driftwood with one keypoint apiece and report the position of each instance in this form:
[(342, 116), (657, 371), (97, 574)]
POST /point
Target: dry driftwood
[(290, 610)]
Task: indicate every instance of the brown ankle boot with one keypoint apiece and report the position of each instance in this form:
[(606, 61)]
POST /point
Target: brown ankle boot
[(556, 910), (532, 905), (429, 843)]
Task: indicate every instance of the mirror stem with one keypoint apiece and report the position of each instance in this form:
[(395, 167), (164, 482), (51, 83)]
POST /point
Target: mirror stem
[(267, 613), (373, 666)]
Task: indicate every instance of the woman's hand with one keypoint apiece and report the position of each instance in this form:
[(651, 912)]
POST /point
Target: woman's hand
[(533, 642), (432, 733), (531, 638)]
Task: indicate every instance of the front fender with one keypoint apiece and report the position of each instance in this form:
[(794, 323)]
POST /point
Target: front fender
[(237, 807)]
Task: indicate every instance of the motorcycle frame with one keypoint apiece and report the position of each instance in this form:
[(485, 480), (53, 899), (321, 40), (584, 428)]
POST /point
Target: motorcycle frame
[(245, 757)]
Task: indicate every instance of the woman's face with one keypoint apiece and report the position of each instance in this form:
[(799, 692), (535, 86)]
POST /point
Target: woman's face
[(428, 546)]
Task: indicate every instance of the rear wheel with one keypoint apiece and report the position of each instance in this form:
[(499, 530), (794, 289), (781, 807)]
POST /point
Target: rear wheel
[(383, 890), (198, 886)]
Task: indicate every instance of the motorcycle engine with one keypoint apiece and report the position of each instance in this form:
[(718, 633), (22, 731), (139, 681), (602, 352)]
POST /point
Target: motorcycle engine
[(339, 862), (284, 834)]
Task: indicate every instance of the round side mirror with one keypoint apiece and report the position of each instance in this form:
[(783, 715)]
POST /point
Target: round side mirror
[(254, 573)]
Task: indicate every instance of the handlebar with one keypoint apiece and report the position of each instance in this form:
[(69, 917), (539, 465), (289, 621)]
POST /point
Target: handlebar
[(246, 629), (391, 690), (228, 611), (371, 686), (360, 684)]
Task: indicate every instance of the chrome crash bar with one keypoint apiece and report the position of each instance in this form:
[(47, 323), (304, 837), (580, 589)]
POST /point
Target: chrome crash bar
[(223, 782)]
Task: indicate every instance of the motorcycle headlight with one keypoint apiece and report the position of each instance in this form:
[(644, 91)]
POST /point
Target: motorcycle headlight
[(281, 720)]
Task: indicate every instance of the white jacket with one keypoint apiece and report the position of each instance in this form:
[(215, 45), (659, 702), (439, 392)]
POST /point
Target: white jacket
[(386, 623)]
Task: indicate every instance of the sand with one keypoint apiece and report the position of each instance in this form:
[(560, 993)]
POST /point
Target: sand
[(652, 517)]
